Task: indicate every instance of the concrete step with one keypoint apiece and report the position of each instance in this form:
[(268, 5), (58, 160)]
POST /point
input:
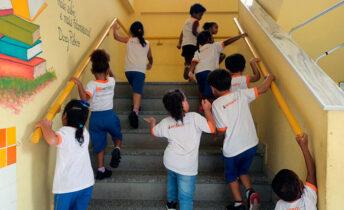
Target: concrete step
[(151, 159), (157, 88), (101, 204), (149, 104), (152, 185)]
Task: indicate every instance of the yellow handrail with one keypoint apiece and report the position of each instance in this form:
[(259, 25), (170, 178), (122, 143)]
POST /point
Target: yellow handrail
[(280, 100), (36, 136), (177, 37)]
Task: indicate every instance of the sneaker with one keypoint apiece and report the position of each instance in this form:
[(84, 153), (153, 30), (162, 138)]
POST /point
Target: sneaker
[(232, 207), (253, 200), (115, 158), (186, 72), (171, 205), (101, 175), (134, 120)]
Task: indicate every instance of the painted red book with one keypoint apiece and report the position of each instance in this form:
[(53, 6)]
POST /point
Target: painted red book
[(14, 67)]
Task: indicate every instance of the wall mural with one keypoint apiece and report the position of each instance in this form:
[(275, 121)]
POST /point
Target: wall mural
[(8, 153), (22, 72)]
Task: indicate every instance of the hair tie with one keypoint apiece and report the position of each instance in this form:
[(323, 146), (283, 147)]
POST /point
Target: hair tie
[(84, 103), (140, 30), (81, 126)]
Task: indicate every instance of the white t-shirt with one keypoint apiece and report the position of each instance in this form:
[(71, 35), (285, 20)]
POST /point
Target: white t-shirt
[(188, 37), (136, 57), (181, 153), (101, 93), (73, 171), (240, 82), (208, 57), (232, 114), (308, 200)]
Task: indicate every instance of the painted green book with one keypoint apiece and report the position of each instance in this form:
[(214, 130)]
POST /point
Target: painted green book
[(19, 29)]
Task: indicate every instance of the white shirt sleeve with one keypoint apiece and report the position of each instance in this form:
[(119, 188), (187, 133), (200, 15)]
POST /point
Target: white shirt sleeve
[(310, 193), (250, 94), (90, 89), (158, 130), (219, 46), (202, 124), (62, 136), (196, 56), (220, 124)]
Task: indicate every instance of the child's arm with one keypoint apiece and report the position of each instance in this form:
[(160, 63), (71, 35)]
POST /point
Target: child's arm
[(233, 39), (151, 121), (207, 112), (117, 36), (180, 41), (82, 93), (256, 74), (194, 28), (110, 73), (266, 84), (150, 59), (311, 174), (49, 135)]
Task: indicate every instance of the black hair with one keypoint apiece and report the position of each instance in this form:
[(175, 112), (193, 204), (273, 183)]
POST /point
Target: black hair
[(235, 63), (197, 8), (136, 29), (208, 25), (286, 185), (203, 38), (100, 61), (77, 114), (173, 103), (220, 79)]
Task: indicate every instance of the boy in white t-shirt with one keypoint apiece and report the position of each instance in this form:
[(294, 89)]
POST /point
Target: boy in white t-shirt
[(235, 64), (234, 121), (289, 190), (183, 130)]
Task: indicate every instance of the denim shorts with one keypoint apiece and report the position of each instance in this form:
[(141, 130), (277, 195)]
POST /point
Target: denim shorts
[(203, 85), (239, 164), (136, 80), (101, 123)]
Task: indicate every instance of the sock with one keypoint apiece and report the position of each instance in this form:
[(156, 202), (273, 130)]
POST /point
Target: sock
[(118, 147), (102, 169), (248, 192), (238, 203), (136, 111)]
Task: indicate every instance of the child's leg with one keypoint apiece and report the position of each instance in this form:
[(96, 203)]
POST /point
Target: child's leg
[(186, 189), (136, 101), (113, 126), (83, 199), (100, 159), (63, 201), (98, 136), (231, 175), (200, 82), (172, 192)]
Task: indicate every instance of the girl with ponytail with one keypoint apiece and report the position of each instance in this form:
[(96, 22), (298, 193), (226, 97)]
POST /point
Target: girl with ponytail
[(138, 51), (183, 129), (73, 179)]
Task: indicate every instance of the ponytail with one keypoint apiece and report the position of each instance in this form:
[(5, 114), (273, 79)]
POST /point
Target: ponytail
[(136, 29), (173, 102)]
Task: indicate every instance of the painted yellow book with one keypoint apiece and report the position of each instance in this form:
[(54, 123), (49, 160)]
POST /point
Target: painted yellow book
[(28, 9)]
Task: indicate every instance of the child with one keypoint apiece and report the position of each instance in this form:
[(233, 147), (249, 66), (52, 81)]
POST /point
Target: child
[(183, 131), (206, 59), (188, 37), (235, 64), (103, 120), (289, 189), (213, 28), (73, 179), (234, 121), (138, 50)]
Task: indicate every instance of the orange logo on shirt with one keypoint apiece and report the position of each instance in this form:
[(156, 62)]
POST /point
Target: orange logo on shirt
[(296, 208), (175, 126), (98, 89), (226, 105)]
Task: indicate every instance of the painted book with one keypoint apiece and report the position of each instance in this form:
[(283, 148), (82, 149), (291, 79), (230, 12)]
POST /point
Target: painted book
[(28, 9), (14, 67), (18, 49), (19, 29), (6, 7)]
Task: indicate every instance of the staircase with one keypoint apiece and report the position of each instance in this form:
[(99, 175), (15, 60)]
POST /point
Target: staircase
[(140, 181)]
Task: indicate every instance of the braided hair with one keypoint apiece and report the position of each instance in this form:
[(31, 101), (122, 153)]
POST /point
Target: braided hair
[(173, 103), (136, 29), (77, 114)]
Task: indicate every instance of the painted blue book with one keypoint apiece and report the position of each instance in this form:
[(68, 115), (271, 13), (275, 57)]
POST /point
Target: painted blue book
[(17, 49)]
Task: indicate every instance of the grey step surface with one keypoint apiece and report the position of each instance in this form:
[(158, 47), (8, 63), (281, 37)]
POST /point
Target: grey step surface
[(150, 159), (157, 88), (123, 117), (152, 185), (102, 204)]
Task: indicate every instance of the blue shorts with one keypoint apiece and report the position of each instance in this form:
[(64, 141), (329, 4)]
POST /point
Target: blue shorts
[(77, 200), (101, 123), (238, 165), (203, 85), (136, 80)]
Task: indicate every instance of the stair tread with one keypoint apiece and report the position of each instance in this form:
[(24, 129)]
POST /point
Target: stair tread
[(104, 204), (161, 177)]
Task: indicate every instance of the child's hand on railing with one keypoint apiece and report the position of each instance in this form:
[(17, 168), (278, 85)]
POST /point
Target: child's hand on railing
[(115, 26), (46, 122), (244, 34), (75, 80), (255, 60), (302, 140)]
